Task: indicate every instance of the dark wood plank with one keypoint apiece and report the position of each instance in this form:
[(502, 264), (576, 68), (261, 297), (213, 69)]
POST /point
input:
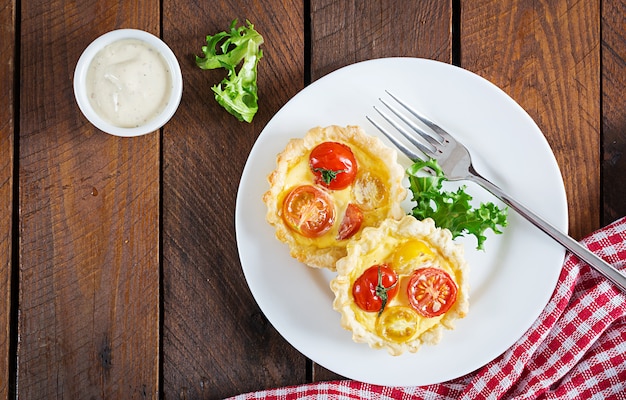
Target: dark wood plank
[(345, 32), (545, 55), (613, 109), (88, 222), (7, 122), (216, 341)]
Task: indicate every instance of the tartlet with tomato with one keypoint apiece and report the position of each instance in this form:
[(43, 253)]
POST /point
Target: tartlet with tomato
[(327, 187), (401, 284)]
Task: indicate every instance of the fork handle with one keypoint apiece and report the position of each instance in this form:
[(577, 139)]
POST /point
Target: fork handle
[(606, 269)]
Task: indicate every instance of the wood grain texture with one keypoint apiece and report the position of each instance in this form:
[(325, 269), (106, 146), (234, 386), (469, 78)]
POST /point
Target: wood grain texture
[(346, 32), (613, 109), (546, 56), (117, 300), (216, 341), (7, 122), (88, 220)]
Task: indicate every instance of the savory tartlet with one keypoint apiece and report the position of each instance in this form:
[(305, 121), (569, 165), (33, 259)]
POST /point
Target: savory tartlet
[(401, 284), (327, 187)]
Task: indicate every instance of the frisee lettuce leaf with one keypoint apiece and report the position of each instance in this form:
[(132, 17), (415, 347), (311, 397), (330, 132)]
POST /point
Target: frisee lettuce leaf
[(452, 210), (237, 93)]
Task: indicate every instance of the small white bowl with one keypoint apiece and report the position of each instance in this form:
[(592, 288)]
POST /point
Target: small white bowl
[(80, 83)]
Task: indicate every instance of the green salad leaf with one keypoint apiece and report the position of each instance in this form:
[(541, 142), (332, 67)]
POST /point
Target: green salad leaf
[(452, 210), (237, 93)]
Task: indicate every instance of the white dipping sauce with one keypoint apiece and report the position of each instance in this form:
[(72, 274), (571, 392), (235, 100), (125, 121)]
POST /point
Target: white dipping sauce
[(128, 83)]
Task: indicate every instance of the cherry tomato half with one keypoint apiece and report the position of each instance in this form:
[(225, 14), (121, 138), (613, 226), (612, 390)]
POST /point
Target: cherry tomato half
[(375, 288), (369, 191), (351, 222), (410, 255), (431, 291), (397, 324), (309, 211), (333, 165)]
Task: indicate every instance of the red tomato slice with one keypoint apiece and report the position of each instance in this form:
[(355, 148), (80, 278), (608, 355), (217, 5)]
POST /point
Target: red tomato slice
[(309, 211), (375, 288), (431, 291), (333, 165), (351, 222)]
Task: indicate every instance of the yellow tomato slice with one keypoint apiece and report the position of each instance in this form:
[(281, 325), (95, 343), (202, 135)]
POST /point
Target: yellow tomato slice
[(369, 191), (397, 324), (411, 255)]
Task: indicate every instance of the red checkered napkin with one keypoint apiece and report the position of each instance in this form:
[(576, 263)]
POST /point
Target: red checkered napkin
[(576, 349)]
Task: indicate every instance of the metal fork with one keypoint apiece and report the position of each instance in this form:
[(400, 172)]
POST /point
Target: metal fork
[(455, 161)]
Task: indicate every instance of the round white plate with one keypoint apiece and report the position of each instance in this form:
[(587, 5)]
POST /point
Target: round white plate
[(511, 280)]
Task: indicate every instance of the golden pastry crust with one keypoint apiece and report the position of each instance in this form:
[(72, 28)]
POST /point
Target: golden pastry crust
[(378, 245), (377, 189)]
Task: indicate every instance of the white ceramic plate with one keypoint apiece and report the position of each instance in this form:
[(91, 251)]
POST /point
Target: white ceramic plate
[(511, 281)]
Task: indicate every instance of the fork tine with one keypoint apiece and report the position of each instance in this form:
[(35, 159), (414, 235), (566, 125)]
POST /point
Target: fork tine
[(427, 150), (401, 146), (433, 141), (442, 135)]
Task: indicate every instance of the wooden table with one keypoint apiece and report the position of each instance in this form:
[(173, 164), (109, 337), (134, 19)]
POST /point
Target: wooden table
[(118, 263)]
